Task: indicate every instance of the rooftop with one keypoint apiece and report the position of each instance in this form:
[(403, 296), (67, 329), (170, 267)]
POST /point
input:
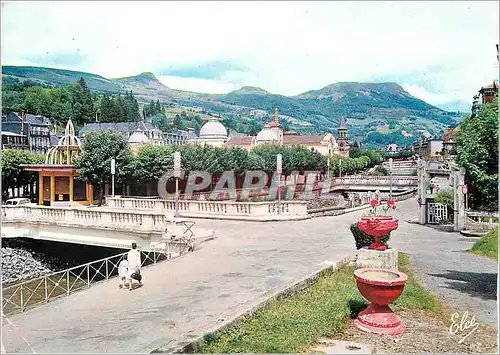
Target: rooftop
[(240, 140), (291, 139)]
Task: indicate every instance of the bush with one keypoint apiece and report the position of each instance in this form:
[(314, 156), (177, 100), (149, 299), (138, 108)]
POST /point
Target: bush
[(362, 239), (381, 170), (445, 198)]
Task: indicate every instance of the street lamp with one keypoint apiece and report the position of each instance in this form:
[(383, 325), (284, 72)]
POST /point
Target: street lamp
[(113, 163), (279, 169), (340, 167), (177, 174), (390, 178)]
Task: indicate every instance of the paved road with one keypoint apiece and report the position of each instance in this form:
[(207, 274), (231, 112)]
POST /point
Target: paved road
[(189, 296), (466, 281)]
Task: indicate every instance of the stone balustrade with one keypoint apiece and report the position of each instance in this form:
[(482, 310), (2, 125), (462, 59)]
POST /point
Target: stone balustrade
[(215, 209), (146, 221), (481, 220)]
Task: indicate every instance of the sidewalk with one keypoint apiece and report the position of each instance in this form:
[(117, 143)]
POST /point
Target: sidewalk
[(185, 297)]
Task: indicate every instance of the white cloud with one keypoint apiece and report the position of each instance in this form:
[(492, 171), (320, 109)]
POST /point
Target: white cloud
[(288, 47)]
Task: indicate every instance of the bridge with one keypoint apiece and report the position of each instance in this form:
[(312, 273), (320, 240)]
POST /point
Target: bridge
[(188, 297), (372, 183), (296, 186), (97, 227)]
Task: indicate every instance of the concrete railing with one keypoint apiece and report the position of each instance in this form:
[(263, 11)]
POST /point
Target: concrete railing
[(376, 180), (146, 221), (481, 220), (354, 203), (216, 209)]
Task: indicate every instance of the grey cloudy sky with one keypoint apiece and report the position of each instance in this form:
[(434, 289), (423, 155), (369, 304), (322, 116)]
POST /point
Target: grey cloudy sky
[(441, 52)]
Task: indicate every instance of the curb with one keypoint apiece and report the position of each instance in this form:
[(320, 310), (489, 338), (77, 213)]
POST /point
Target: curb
[(188, 346), (249, 219)]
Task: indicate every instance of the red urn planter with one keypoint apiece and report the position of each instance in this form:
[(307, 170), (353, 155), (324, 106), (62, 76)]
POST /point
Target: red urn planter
[(381, 287), (378, 227)]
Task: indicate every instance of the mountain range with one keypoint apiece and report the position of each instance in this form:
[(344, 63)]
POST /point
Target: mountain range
[(376, 113)]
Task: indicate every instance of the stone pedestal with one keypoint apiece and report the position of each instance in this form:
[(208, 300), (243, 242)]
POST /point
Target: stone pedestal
[(386, 259)]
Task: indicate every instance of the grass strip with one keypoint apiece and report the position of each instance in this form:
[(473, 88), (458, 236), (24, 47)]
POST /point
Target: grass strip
[(487, 245), (294, 323)]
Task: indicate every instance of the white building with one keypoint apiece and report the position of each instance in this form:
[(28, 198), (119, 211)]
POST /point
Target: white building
[(212, 133)]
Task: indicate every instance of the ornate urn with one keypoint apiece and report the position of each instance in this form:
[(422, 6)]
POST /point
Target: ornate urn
[(381, 287), (378, 226)]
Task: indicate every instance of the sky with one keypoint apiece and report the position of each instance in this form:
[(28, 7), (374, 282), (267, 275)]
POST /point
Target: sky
[(440, 52)]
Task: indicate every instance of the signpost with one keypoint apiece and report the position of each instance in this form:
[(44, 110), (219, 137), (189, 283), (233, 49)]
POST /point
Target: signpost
[(113, 163), (279, 169), (177, 174), (464, 191)]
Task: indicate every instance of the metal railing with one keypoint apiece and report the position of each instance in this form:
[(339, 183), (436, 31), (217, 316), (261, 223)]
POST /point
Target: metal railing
[(28, 294)]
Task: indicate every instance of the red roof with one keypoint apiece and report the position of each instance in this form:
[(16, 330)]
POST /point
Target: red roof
[(240, 141), (291, 140)]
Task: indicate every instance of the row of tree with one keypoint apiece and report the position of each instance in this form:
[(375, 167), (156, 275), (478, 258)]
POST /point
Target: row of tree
[(72, 101), (152, 161)]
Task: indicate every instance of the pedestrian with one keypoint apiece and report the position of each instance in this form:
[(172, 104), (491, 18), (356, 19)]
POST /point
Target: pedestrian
[(134, 265), (123, 272)]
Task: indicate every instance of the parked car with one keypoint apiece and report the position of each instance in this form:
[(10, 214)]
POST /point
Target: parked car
[(17, 201)]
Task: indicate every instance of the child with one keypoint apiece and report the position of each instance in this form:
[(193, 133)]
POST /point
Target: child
[(123, 272)]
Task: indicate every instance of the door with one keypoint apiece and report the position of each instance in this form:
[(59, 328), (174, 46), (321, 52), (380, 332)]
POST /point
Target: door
[(46, 191)]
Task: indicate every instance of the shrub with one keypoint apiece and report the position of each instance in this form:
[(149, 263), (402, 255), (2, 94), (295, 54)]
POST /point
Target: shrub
[(445, 198), (380, 171), (362, 239)]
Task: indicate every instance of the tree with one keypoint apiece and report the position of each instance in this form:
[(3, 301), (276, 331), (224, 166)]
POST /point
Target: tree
[(94, 164), (37, 100), (152, 162), (13, 175), (477, 148)]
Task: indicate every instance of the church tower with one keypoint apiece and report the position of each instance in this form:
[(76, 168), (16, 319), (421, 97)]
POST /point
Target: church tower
[(342, 138)]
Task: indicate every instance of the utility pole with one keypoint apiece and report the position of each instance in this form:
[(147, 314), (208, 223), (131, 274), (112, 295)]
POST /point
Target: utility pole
[(113, 176), (177, 174), (279, 169)]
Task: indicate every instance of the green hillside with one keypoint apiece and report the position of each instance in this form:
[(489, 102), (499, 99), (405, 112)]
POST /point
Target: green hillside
[(376, 113)]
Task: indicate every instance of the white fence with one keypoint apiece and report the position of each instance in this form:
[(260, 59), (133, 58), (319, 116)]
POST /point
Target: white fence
[(437, 213)]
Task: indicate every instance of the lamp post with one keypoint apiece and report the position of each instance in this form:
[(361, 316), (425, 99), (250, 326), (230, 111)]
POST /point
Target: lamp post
[(328, 168), (390, 178), (113, 163), (177, 174), (340, 167), (279, 169)]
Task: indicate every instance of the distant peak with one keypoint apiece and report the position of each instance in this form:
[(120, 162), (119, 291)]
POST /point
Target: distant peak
[(147, 75), (250, 90)]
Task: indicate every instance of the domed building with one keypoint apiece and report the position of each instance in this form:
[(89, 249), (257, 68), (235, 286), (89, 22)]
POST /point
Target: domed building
[(212, 133), (273, 133)]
